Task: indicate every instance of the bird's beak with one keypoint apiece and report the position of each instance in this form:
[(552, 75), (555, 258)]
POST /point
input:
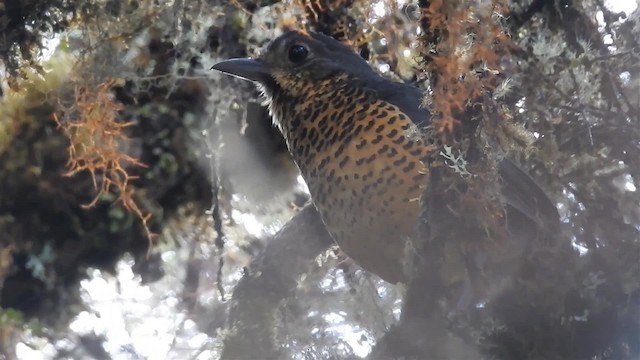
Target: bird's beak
[(244, 68)]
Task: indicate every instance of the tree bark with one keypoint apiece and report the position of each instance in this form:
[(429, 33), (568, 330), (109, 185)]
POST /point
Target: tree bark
[(271, 279)]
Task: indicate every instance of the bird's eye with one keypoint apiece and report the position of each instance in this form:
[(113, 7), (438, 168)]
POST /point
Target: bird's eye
[(298, 53)]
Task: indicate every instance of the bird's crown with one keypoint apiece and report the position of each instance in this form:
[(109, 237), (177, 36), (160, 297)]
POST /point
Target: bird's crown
[(298, 57), (315, 55)]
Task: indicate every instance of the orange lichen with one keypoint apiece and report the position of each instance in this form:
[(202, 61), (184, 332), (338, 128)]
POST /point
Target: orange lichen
[(95, 138), (470, 40), (238, 5)]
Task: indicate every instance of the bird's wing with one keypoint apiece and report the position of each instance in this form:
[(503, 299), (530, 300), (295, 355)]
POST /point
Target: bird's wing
[(519, 190), (522, 193), (407, 98)]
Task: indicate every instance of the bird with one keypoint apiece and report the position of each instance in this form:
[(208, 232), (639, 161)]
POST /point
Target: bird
[(355, 137)]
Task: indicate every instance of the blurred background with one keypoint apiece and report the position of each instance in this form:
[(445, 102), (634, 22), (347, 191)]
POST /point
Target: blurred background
[(141, 193)]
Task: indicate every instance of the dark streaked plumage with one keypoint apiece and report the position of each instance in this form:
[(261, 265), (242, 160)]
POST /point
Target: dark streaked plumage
[(355, 137)]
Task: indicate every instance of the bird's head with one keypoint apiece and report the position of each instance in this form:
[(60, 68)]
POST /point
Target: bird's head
[(297, 60)]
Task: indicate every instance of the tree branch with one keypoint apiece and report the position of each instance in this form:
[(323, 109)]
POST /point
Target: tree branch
[(271, 279)]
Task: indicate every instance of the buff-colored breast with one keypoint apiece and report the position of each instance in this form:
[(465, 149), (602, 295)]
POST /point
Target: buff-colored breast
[(361, 159)]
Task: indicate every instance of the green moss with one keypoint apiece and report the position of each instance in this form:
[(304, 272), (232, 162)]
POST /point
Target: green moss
[(37, 89)]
